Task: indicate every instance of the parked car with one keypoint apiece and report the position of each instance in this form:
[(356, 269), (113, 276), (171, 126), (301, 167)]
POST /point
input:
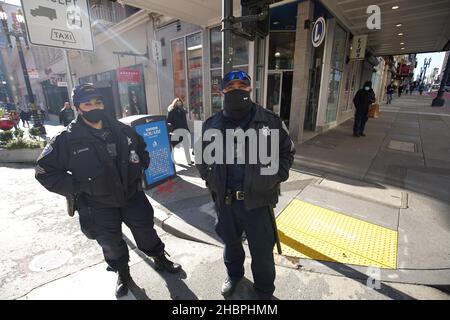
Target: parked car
[(434, 88), (6, 124)]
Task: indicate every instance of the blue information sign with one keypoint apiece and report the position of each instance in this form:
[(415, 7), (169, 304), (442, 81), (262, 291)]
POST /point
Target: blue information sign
[(158, 146), (153, 129)]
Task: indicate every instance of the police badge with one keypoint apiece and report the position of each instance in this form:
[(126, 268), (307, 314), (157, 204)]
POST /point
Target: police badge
[(266, 131), (134, 158)]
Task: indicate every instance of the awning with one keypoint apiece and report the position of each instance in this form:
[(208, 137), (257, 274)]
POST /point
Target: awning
[(198, 12), (423, 25)]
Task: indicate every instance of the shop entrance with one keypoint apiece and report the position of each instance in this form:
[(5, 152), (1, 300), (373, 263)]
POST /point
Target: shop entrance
[(279, 90), (315, 75)]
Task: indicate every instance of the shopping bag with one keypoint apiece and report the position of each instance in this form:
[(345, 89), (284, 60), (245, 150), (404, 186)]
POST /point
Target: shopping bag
[(374, 110)]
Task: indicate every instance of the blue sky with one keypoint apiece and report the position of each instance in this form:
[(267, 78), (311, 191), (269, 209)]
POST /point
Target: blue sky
[(437, 59)]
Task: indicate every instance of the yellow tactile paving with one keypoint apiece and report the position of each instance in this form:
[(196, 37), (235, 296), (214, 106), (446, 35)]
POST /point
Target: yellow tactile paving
[(309, 231)]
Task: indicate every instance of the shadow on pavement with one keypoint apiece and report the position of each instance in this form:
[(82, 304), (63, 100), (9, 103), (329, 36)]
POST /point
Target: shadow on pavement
[(175, 284), (345, 270)]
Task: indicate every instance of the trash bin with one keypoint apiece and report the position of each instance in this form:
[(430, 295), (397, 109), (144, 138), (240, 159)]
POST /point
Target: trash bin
[(154, 131)]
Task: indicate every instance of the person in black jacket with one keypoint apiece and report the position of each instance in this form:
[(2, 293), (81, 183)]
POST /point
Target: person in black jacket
[(244, 195), (390, 89), (100, 161), (176, 119), (362, 100), (66, 115)]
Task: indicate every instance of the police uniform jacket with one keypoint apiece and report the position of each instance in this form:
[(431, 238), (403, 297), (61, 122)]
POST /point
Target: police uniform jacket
[(77, 162), (260, 190)]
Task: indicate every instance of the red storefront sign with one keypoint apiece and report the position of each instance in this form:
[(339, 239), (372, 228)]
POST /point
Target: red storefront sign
[(404, 70), (128, 75)]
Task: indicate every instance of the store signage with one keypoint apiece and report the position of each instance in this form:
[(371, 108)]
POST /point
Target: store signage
[(128, 75), (156, 48), (153, 129), (62, 24), (62, 84), (405, 70), (33, 74), (318, 32), (359, 47)]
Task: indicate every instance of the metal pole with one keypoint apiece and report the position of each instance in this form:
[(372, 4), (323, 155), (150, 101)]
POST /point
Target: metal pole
[(227, 44), (70, 83), (439, 101), (37, 120)]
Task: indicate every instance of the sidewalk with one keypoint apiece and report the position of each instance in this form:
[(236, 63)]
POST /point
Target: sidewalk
[(397, 177)]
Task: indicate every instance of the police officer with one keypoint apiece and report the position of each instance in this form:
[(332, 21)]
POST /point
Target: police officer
[(101, 161), (244, 198)]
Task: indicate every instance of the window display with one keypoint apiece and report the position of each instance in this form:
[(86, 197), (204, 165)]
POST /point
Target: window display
[(195, 76), (179, 68)]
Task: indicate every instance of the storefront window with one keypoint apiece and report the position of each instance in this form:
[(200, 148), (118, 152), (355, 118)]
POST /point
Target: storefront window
[(179, 68), (281, 50), (337, 66), (131, 91), (195, 76), (240, 62)]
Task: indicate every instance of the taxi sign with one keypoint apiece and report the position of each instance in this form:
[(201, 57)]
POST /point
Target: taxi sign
[(59, 23)]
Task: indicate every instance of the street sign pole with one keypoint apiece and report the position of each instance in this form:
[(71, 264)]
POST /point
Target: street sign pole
[(439, 101), (70, 83), (227, 43)]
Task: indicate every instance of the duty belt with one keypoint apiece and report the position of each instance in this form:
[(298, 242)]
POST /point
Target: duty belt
[(234, 195)]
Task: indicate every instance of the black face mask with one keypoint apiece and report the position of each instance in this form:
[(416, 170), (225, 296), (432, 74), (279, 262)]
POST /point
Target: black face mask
[(237, 104), (94, 116)]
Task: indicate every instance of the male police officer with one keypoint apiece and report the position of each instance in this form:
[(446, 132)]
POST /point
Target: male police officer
[(100, 160), (245, 198)]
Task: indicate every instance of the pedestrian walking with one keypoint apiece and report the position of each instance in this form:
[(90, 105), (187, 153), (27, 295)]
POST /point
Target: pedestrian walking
[(400, 90), (176, 119), (244, 198), (15, 118), (411, 88), (421, 88), (66, 114), (25, 114), (390, 89), (362, 100), (105, 159)]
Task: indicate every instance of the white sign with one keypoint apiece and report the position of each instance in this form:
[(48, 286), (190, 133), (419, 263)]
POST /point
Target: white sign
[(156, 46), (33, 74), (319, 31), (359, 47), (59, 23), (62, 84)]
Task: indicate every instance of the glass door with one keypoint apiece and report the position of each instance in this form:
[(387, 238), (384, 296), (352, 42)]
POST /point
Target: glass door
[(274, 87)]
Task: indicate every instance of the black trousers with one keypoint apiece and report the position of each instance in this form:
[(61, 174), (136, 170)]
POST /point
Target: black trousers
[(105, 226), (232, 221), (361, 119)]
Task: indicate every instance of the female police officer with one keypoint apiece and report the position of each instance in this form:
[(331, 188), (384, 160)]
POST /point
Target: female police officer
[(100, 160)]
